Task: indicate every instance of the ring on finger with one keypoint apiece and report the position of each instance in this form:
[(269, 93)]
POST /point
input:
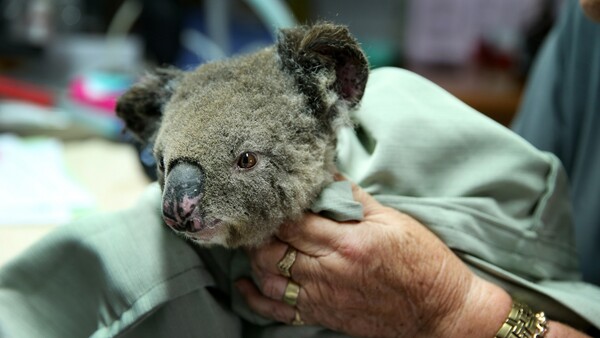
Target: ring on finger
[(292, 290), (297, 319), (285, 264)]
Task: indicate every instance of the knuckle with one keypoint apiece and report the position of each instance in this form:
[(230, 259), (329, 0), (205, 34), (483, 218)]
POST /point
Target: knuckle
[(353, 248), (280, 313), (297, 273), (270, 289)]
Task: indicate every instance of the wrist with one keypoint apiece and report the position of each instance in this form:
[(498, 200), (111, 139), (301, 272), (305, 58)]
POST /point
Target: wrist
[(560, 330), (483, 311)]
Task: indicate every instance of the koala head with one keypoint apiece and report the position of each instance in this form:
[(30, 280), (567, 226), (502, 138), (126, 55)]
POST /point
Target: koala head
[(247, 143)]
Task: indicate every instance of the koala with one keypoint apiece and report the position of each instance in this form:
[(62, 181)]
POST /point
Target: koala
[(247, 143)]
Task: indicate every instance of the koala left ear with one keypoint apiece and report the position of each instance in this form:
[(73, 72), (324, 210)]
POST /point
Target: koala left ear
[(142, 105), (325, 59)]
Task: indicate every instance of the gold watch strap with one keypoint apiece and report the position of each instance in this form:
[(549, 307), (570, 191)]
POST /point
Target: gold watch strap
[(523, 323)]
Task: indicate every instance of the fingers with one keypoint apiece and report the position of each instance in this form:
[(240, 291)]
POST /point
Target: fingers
[(316, 235), (321, 267), (264, 306), (369, 203), (316, 240), (339, 177), (273, 286), (264, 261), (358, 193), (264, 265), (313, 234)]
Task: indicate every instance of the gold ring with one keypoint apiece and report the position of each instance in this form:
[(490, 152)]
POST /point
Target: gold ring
[(297, 319), (285, 264), (292, 290)]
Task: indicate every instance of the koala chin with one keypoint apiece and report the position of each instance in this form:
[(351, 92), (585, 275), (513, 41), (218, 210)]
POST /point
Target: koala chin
[(247, 143)]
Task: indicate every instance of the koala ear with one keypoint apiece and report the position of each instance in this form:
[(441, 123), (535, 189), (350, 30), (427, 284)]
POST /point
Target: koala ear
[(325, 59), (142, 105)]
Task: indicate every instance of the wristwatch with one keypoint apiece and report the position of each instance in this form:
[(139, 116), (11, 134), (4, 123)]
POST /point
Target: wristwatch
[(522, 322)]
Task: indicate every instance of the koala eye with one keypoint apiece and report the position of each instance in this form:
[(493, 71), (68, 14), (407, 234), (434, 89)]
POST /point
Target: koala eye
[(247, 160)]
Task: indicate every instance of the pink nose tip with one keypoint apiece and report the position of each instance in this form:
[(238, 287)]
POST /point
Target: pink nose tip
[(183, 215)]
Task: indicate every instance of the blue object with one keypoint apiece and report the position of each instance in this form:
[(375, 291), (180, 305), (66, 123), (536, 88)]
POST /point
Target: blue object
[(561, 114)]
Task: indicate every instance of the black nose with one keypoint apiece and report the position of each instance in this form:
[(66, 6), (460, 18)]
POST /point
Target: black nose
[(182, 194)]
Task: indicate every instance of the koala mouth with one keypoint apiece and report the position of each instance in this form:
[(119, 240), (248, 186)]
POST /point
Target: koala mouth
[(208, 233), (184, 216), (194, 225)]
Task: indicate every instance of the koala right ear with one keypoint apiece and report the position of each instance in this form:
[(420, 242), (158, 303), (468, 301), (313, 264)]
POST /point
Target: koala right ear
[(325, 59), (142, 105)]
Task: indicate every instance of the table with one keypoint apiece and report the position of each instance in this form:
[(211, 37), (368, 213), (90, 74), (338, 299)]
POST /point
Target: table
[(109, 170)]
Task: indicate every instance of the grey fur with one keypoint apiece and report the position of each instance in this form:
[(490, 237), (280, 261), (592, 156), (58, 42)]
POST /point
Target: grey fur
[(282, 103)]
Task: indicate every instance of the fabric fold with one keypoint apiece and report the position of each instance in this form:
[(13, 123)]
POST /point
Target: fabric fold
[(499, 203)]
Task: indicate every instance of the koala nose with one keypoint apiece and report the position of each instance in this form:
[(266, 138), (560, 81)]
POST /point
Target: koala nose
[(182, 193)]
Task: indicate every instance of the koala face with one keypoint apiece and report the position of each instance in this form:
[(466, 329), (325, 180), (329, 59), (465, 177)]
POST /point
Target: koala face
[(245, 144)]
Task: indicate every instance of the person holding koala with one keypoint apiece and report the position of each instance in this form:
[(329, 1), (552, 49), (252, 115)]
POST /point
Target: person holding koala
[(455, 215), (560, 113), (386, 276)]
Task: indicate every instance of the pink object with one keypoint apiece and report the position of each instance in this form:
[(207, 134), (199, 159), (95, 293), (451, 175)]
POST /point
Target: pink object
[(99, 91)]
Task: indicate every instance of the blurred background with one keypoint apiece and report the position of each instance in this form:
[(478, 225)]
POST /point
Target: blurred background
[(63, 64)]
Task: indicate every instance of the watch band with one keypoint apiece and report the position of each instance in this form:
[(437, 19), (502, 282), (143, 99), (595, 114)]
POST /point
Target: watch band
[(523, 323)]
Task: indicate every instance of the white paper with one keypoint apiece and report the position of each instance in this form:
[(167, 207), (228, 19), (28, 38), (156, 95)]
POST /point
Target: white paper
[(34, 185)]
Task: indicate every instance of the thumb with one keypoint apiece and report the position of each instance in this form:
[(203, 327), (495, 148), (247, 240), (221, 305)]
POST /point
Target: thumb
[(369, 203), (358, 193)]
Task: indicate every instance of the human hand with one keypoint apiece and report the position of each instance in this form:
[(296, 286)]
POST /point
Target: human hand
[(591, 8), (385, 276)]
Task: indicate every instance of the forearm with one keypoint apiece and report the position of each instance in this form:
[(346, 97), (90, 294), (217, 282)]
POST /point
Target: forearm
[(560, 330)]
